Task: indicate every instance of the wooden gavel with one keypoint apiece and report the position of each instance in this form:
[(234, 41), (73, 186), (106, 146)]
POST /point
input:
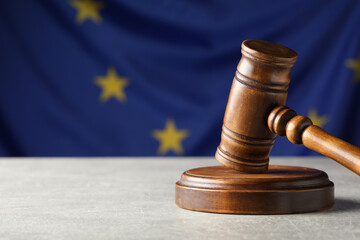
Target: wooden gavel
[(255, 113)]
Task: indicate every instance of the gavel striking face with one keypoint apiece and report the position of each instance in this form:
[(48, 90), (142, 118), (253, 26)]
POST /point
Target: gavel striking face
[(255, 113)]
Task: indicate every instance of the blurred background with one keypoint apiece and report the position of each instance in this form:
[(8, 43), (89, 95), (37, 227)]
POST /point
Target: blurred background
[(148, 78)]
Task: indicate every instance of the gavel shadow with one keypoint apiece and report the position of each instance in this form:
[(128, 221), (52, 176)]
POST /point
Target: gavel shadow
[(345, 205)]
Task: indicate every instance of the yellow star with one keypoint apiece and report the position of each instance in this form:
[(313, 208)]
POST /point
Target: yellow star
[(317, 120), (354, 64), (112, 86), (170, 138), (87, 9)]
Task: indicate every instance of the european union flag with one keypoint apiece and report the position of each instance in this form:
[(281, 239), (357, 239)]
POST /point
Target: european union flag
[(140, 78)]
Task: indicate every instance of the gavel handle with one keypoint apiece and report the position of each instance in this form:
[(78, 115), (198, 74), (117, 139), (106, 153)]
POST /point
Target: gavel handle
[(321, 141), (300, 130)]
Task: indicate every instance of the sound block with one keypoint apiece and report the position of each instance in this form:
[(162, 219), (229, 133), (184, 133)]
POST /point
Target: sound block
[(283, 189)]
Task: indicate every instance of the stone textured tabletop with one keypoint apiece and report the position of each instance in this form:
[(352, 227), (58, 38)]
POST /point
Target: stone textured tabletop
[(123, 198)]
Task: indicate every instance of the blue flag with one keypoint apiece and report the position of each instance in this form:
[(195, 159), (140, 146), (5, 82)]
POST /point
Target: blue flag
[(145, 78)]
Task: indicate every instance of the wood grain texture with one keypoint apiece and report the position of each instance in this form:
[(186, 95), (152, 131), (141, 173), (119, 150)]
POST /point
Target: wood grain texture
[(260, 84), (300, 130), (283, 189)]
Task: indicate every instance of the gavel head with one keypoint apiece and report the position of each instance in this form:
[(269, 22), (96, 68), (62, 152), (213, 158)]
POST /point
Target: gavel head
[(260, 84)]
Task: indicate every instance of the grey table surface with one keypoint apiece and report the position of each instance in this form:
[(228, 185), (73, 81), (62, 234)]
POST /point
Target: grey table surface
[(123, 198)]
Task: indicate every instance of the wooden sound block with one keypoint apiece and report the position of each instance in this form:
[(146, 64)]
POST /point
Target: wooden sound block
[(283, 189)]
